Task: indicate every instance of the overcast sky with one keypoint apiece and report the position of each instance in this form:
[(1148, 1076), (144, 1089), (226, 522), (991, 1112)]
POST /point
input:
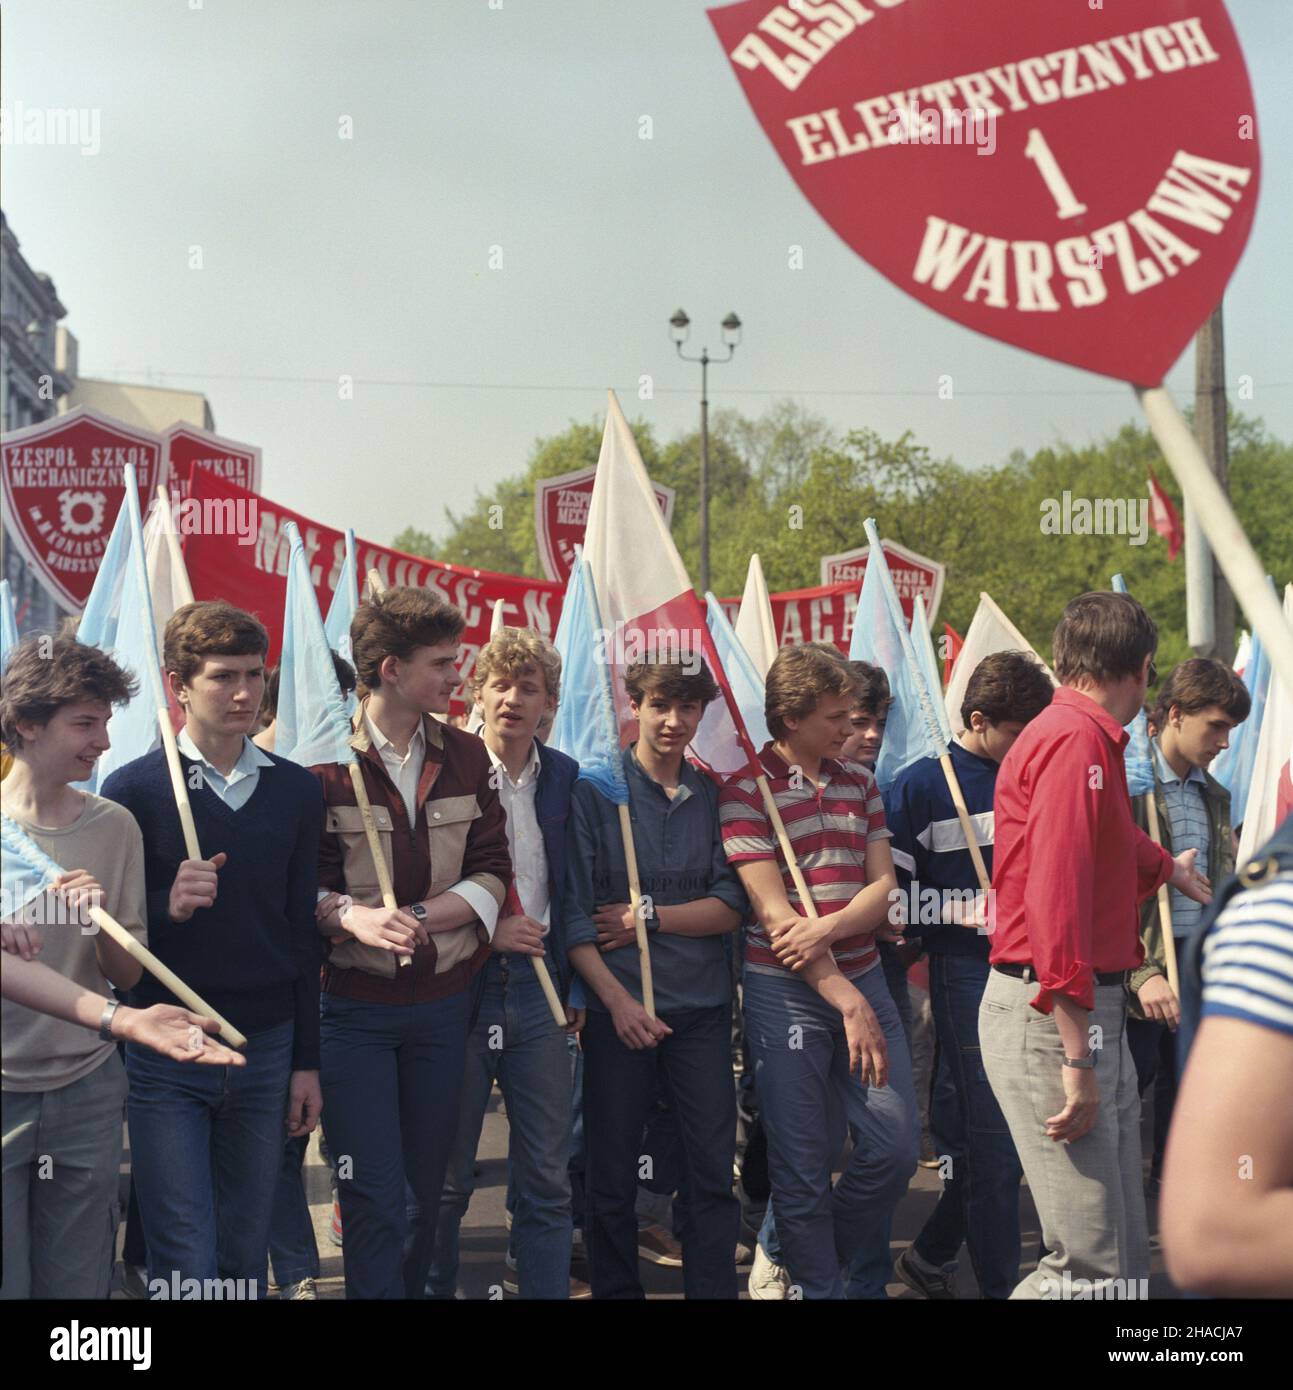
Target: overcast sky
[(514, 128)]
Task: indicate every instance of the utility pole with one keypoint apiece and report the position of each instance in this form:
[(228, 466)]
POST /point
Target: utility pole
[(1210, 428)]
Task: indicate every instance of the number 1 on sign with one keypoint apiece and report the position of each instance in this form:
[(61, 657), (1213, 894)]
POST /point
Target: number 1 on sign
[(1066, 205)]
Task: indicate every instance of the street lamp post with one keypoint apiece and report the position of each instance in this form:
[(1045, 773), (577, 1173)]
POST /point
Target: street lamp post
[(680, 330)]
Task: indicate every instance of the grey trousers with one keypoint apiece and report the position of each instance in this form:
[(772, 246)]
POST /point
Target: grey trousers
[(1089, 1193), (62, 1154)]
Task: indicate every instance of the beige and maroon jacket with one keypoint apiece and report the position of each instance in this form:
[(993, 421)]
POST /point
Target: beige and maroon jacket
[(460, 833)]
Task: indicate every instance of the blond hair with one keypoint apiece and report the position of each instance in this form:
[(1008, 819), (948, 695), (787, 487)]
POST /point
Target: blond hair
[(511, 650)]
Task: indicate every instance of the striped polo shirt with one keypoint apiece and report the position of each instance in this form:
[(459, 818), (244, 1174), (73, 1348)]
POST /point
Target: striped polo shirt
[(829, 826), (1248, 958)]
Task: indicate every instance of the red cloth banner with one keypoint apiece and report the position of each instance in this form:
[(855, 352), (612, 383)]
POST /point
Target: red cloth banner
[(235, 549)]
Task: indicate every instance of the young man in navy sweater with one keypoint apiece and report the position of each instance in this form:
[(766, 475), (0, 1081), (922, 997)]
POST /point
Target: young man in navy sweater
[(980, 1199), (238, 926)]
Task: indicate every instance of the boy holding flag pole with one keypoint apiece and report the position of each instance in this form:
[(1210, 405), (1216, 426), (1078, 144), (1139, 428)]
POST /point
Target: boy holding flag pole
[(394, 1041), (63, 1088), (693, 899), (241, 926), (815, 1006)]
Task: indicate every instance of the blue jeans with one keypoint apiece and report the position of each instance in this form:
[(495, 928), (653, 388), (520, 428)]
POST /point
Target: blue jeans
[(809, 1100), (578, 1149), (206, 1144), (293, 1252), (980, 1199), (620, 1086), (515, 1040), (392, 1082), (870, 1268)]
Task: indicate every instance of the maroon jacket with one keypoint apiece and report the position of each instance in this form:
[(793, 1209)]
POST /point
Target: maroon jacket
[(460, 833)]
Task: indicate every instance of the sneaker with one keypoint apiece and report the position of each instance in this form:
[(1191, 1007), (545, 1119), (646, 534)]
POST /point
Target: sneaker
[(926, 1279), (578, 1289), (657, 1246), (134, 1280), (768, 1282), (334, 1226), (744, 1254), (303, 1291)]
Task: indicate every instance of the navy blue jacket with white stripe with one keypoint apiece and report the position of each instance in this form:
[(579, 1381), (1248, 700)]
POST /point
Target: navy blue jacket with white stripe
[(929, 846)]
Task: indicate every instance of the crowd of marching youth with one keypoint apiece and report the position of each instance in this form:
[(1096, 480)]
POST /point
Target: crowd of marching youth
[(511, 955)]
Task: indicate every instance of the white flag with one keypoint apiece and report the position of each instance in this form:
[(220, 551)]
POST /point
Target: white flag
[(168, 580), (990, 631), (755, 629), (1270, 793)]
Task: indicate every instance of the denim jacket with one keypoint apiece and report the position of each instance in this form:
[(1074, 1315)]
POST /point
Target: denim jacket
[(680, 859), (1221, 862)]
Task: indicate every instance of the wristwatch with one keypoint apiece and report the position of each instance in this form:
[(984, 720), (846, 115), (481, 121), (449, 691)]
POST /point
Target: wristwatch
[(417, 910), (105, 1022), (1086, 1063)]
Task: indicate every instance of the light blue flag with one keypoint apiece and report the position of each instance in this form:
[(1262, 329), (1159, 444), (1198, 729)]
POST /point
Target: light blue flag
[(1136, 757), (341, 611), (748, 688), (1234, 768), (118, 619), (880, 636), (312, 726), (923, 645), (8, 623), (25, 869), (586, 726)]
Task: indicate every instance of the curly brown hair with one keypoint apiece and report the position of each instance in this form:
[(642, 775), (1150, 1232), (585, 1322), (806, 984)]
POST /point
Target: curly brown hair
[(1007, 685), (397, 622), (513, 649), (46, 673)]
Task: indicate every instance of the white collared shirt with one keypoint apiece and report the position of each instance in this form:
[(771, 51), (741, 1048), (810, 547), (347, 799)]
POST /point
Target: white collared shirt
[(238, 788), (404, 771), (524, 838)]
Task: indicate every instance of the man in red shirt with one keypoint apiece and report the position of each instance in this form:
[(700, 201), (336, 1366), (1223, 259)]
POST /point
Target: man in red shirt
[(1070, 867)]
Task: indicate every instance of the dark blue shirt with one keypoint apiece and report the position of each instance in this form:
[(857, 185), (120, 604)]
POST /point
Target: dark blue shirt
[(680, 859), (930, 851)]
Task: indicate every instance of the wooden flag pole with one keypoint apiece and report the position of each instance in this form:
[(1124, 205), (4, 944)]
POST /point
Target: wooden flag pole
[(375, 584), (963, 815), (1164, 902), (178, 784), (374, 843), (1211, 508), (635, 902), (549, 991), (173, 545), (792, 863), (167, 976)]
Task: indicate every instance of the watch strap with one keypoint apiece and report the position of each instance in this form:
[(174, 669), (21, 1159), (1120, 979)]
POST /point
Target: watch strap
[(105, 1021)]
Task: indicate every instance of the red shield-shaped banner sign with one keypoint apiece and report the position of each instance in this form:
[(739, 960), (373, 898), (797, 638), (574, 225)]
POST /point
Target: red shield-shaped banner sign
[(186, 446), (912, 574), (561, 517), (63, 487), (1076, 180)]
